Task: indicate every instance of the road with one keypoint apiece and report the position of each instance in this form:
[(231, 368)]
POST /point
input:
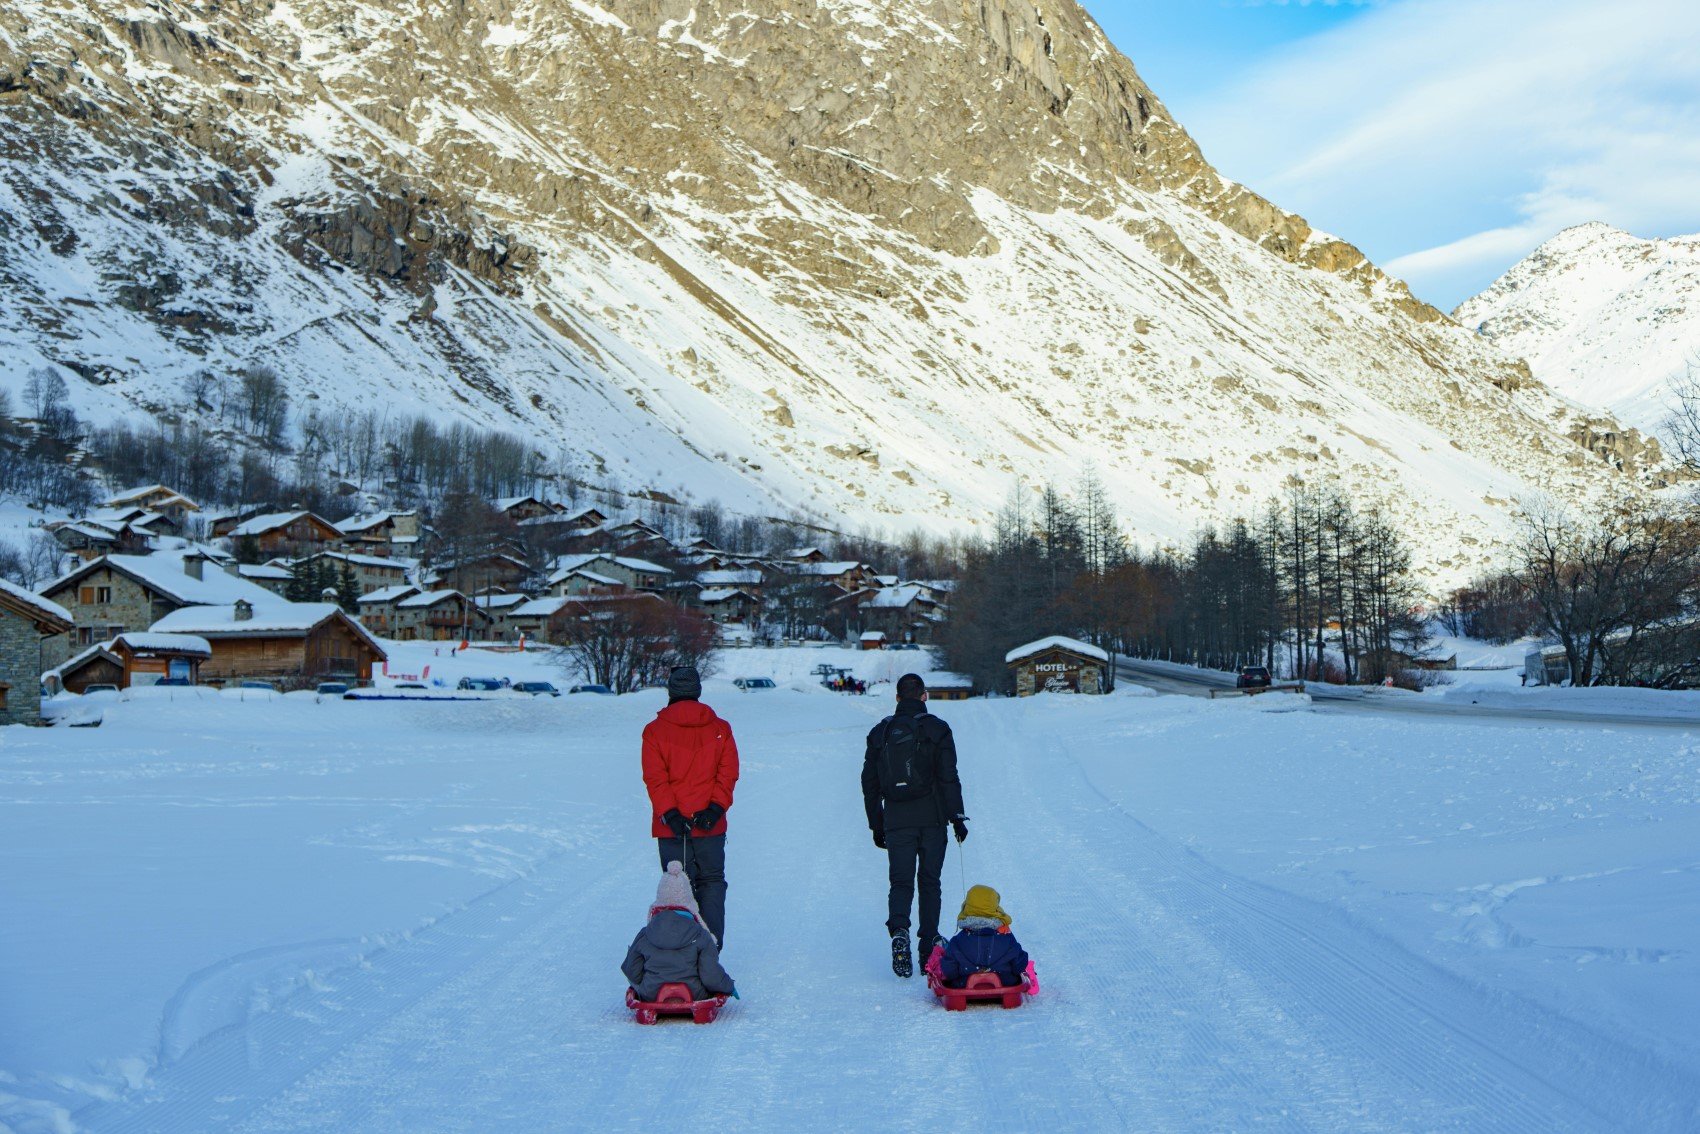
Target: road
[(1165, 677)]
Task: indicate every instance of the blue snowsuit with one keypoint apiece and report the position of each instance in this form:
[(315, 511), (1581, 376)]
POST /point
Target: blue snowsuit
[(982, 951)]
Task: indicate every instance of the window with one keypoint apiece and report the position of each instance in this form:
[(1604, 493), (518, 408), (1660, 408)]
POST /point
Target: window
[(85, 635), (103, 594), (4, 688), (85, 595), (113, 632)]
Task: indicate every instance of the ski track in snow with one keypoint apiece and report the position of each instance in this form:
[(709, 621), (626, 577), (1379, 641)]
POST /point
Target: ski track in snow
[(1176, 996)]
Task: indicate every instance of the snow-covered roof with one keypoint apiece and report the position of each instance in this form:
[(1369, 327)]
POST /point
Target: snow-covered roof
[(355, 524), (567, 564), (147, 641), (742, 577), (825, 567), (803, 552), (263, 571), (502, 504), (581, 573), (1056, 641), (356, 559), (721, 594), (873, 635), (45, 610), (886, 580), (941, 680), (387, 595), (130, 494), (893, 598), (163, 572), (542, 607), (271, 521), (502, 602), (430, 598)]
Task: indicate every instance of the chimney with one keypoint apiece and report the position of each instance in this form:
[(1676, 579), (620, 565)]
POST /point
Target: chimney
[(244, 610), (194, 564)]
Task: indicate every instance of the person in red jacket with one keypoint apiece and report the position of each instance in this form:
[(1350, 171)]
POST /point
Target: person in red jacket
[(690, 766)]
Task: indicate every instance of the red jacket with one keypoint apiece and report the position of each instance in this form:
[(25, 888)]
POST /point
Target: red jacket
[(689, 762)]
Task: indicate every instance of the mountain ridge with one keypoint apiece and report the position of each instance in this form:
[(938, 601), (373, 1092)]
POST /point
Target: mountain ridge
[(857, 259)]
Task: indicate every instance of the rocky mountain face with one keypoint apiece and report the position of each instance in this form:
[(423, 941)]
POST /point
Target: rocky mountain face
[(866, 260), (1603, 317)]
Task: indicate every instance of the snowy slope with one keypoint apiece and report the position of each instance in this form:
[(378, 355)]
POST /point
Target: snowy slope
[(1603, 317), (869, 261), (283, 914)]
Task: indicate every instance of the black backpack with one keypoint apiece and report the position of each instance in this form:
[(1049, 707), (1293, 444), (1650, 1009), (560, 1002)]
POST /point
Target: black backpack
[(905, 761)]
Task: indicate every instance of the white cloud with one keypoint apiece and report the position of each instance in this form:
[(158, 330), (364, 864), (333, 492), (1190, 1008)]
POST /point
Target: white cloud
[(1452, 136)]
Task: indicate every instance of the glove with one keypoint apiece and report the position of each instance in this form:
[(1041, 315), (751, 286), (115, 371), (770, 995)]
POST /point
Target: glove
[(677, 823), (960, 826), (707, 817), (879, 838)]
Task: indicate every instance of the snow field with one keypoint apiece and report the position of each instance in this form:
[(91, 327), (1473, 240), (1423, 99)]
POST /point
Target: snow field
[(284, 914)]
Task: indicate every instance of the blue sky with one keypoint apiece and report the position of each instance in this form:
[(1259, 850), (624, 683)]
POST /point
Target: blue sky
[(1446, 138)]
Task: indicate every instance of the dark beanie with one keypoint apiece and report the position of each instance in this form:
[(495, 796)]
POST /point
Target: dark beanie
[(684, 683)]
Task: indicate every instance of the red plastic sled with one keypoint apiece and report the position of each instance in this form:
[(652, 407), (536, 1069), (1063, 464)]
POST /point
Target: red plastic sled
[(981, 986), (674, 1000)]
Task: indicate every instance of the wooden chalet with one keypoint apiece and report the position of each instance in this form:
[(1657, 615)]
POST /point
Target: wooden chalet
[(286, 533), (156, 498), (133, 660), (296, 644), (442, 616)]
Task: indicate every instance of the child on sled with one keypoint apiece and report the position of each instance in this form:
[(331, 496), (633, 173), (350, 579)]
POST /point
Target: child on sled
[(676, 947), (983, 944)]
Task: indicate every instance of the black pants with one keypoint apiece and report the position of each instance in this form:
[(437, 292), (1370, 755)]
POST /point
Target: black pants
[(707, 869), (915, 851)]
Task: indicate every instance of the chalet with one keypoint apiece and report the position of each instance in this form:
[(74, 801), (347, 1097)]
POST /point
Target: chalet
[(805, 555), (298, 643), (635, 574), (26, 622), (844, 573), (728, 604), (906, 613), (582, 582), (1058, 665), (575, 613), (91, 539), (222, 523), (492, 573), (748, 579), (382, 533), (531, 619), (441, 616), (156, 498), (378, 609), (132, 660), (872, 640), (371, 572), (116, 594), (286, 533), (567, 524), (518, 508), (949, 687)]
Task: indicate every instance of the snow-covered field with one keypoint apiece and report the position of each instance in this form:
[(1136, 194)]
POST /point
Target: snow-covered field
[(285, 914)]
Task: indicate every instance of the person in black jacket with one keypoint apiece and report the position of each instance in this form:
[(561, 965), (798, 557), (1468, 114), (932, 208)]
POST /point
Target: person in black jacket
[(911, 790)]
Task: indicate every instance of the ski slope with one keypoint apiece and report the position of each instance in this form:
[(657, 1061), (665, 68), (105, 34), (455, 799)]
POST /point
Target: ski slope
[(279, 914)]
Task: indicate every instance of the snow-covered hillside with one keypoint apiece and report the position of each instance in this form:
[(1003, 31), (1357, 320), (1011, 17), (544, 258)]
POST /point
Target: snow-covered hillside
[(1603, 317), (285, 914), (869, 261)]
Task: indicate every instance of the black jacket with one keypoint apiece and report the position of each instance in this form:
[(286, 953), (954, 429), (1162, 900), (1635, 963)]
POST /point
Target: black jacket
[(935, 810)]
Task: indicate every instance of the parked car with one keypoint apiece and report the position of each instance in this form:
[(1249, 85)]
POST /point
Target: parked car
[(479, 684), (603, 689), (251, 684), (410, 685), (536, 688), (173, 682), (1252, 677), (755, 683), (904, 646), (331, 688), (102, 688)]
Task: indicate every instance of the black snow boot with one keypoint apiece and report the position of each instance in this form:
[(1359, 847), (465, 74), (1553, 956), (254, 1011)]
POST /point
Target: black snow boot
[(901, 962)]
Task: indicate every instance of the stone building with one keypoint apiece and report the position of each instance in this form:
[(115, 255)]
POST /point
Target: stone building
[(1059, 665), (25, 620)]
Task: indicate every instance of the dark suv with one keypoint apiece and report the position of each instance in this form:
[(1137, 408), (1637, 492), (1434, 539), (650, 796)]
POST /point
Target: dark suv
[(1252, 677)]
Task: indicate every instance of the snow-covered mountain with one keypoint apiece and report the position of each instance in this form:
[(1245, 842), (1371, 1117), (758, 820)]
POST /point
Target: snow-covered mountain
[(871, 259), (1603, 317)]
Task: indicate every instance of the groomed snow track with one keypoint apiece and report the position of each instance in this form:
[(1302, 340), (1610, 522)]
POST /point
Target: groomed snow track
[(1177, 995)]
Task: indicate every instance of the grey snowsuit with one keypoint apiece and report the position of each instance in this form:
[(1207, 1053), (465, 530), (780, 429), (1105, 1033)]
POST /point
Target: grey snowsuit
[(674, 947)]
